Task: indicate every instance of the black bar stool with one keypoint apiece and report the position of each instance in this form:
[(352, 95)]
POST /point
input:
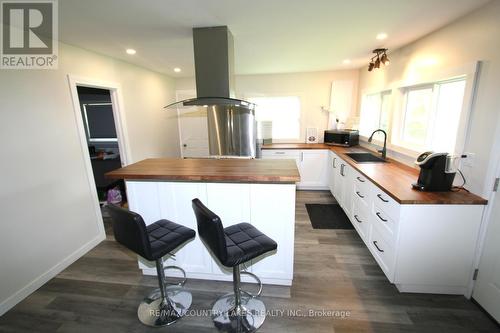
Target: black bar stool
[(165, 305), (232, 246)]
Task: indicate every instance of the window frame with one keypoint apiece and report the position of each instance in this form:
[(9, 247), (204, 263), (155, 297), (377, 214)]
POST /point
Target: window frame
[(381, 93), (399, 141), (468, 71)]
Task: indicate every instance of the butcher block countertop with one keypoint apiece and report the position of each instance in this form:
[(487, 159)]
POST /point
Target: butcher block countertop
[(394, 178), (210, 170)]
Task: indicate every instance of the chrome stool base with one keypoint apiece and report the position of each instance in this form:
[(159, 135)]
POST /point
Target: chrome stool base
[(248, 317), (165, 305), (153, 311)]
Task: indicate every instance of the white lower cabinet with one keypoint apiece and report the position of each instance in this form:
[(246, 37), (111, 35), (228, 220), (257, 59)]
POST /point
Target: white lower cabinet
[(312, 165), (383, 251), (313, 169), (361, 219), (330, 172), (346, 173), (420, 248)]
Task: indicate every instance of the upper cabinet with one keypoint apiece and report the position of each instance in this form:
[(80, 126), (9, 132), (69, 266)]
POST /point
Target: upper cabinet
[(341, 101)]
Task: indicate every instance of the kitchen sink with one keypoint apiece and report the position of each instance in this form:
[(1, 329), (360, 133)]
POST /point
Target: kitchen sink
[(366, 158)]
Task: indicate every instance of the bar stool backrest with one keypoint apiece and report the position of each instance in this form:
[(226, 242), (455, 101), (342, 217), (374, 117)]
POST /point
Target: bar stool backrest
[(211, 230), (130, 230)]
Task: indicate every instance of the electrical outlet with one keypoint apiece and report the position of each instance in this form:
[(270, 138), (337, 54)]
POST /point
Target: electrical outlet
[(469, 159)]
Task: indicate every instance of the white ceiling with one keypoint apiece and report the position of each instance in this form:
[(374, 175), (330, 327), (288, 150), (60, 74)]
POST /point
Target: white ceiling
[(270, 36)]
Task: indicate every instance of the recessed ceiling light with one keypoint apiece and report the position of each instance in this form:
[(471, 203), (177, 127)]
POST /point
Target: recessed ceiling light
[(177, 69), (382, 36), (346, 61), (131, 51)]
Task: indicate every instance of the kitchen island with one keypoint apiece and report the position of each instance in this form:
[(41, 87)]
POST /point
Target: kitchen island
[(261, 192)]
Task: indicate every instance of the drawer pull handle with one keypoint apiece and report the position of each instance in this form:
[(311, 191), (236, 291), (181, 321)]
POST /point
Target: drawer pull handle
[(378, 248), (356, 217), (280, 153), (359, 195), (360, 180), (380, 197), (334, 165), (380, 217), (342, 170)]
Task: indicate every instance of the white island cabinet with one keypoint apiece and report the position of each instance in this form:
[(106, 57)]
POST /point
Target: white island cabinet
[(255, 191)]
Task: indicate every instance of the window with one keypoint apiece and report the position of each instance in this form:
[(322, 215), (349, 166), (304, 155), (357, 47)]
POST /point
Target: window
[(375, 112), (416, 116), (447, 120), (283, 112), (431, 116)]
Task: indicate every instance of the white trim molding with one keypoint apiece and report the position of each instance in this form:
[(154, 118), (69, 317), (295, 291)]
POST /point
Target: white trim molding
[(121, 131)]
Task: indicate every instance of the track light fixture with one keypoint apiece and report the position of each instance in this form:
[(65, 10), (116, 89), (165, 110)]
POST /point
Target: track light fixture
[(379, 57)]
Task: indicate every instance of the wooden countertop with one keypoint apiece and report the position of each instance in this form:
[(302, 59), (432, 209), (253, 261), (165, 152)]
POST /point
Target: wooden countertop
[(211, 170), (394, 178)]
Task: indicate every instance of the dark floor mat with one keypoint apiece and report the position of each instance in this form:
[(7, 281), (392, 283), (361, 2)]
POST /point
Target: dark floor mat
[(329, 216)]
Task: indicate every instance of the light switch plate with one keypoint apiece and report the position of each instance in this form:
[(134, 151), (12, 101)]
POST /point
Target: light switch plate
[(469, 160)]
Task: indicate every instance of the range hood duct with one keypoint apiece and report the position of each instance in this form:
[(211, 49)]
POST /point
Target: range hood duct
[(231, 122), (214, 62)]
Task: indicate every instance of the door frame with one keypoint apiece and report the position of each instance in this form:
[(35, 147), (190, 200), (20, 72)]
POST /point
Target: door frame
[(179, 129), (493, 173), (120, 125)]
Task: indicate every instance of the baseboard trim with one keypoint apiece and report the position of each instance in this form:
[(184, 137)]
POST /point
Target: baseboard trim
[(431, 289), (21, 294), (312, 188)]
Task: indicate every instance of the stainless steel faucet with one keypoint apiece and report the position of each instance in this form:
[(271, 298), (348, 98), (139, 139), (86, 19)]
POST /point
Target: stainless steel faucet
[(384, 150)]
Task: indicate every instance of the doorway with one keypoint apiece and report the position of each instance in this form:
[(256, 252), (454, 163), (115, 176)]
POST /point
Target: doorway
[(99, 116), (102, 141), (193, 128)]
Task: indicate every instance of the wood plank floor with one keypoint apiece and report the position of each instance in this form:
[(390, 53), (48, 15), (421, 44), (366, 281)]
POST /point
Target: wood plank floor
[(333, 271)]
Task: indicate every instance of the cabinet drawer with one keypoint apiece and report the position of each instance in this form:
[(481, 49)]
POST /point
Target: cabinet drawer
[(361, 219), (386, 203), (361, 192), (361, 181), (387, 224), (383, 252), (278, 154)]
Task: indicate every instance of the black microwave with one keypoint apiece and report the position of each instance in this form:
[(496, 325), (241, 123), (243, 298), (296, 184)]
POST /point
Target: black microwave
[(345, 137)]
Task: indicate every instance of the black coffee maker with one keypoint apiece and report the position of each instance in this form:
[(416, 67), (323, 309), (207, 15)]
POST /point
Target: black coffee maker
[(434, 172)]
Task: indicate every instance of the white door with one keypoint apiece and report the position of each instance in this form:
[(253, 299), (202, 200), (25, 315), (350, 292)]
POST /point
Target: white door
[(487, 287), (193, 127), (313, 169)]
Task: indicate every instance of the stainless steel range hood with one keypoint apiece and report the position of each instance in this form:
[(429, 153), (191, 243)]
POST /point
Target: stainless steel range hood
[(231, 122)]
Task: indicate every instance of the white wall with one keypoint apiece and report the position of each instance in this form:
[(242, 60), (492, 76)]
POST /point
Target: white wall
[(46, 202), (469, 39), (313, 88)]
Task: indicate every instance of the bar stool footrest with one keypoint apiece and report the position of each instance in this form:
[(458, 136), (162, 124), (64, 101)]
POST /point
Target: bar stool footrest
[(258, 281), (183, 279)]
